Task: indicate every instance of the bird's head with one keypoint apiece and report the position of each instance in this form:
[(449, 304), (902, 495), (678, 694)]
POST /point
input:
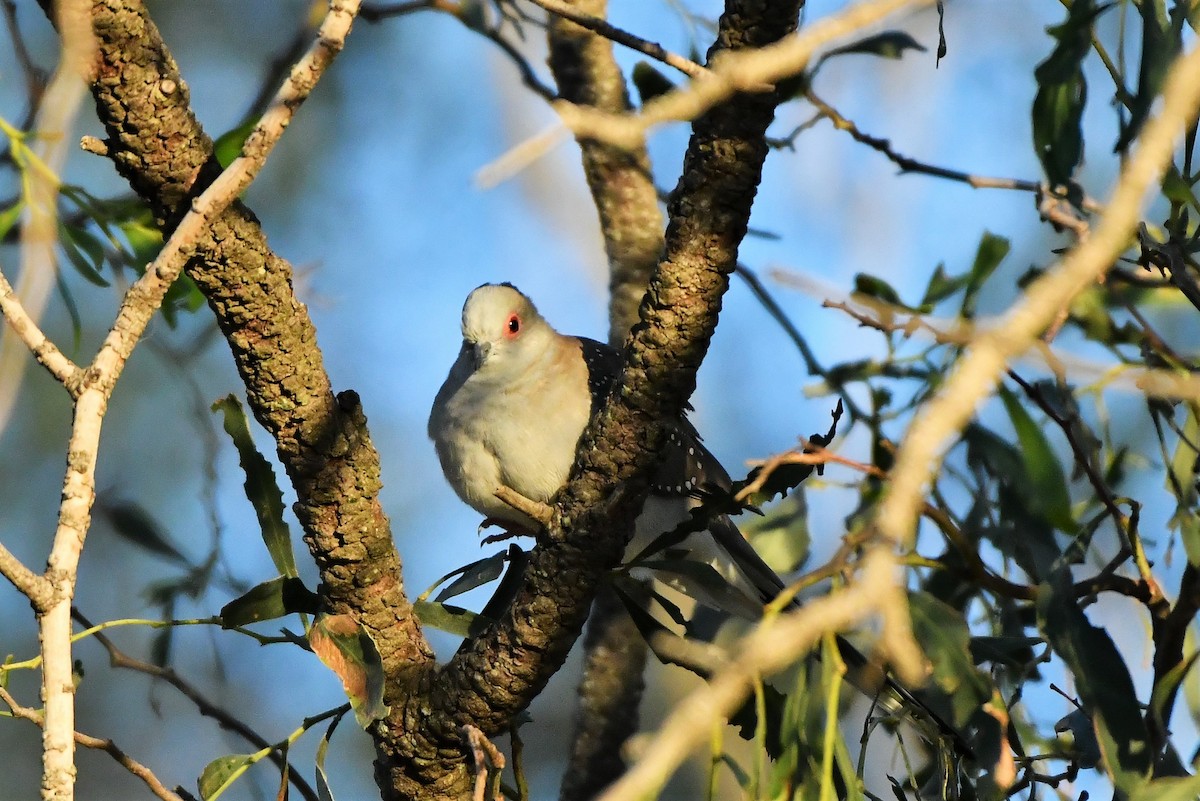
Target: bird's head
[(502, 328)]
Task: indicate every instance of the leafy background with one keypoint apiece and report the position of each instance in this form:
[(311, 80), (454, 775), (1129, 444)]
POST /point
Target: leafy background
[(373, 196)]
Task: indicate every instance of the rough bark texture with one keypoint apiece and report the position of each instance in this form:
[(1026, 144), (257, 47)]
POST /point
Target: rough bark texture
[(159, 147), (495, 675), (621, 181), (631, 223)]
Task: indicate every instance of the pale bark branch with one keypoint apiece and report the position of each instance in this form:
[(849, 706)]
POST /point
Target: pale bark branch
[(32, 585), (600, 26), (976, 374), (728, 74), (100, 744), (96, 384), (25, 327)]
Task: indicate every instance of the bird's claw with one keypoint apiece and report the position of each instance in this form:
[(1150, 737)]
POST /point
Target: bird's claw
[(511, 530)]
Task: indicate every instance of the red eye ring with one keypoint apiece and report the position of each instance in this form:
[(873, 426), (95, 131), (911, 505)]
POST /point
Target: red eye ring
[(513, 326)]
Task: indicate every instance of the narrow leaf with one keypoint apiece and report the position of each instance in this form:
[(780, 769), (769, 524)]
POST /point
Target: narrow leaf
[(991, 251), (449, 618), (9, 217), (229, 144), (222, 772), (133, 523), (474, 575), (81, 250), (1062, 94), (1102, 679), (348, 650), (262, 489), (1044, 473), (272, 599)]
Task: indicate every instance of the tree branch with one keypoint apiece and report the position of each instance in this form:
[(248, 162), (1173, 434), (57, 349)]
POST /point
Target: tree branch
[(631, 223), (108, 746), (495, 675)]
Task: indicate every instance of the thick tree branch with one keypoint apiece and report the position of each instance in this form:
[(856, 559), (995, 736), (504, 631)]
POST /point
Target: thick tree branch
[(160, 148), (621, 181), (631, 223), (495, 675), (322, 442)]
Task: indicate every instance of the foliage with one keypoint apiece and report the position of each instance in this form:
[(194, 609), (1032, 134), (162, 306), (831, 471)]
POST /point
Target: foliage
[(1039, 538)]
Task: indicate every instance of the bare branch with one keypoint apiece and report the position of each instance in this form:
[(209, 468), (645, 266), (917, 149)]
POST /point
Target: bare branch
[(730, 73), (771, 646), (108, 746), (26, 328), (601, 26), (30, 584), (989, 352), (97, 382)]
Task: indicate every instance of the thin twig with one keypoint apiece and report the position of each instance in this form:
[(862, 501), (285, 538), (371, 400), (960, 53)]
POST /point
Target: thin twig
[(988, 354), (907, 164), (108, 746), (730, 73), (377, 13), (25, 327), (622, 37), (225, 719), (140, 303)]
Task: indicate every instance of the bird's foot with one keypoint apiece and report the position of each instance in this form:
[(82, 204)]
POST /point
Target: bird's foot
[(511, 530)]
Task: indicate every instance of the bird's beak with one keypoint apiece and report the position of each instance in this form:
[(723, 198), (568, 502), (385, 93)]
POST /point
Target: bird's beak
[(479, 351)]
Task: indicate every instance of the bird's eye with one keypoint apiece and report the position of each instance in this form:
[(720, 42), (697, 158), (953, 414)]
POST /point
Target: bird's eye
[(513, 326)]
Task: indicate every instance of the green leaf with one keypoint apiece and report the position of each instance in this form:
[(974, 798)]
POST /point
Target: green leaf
[(474, 575), (1182, 482), (449, 618), (1161, 43), (222, 772), (145, 241), (272, 599), (1102, 679), (991, 251), (262, 490), (322, 782), (888, 44), (649, 82), (133, 523), (347, 649), (229, 144), (182, 294), (85, 252), (941, 286), (1165, 691), (9, 217), (1177, 189), (64, 293), (1062, 94), (946, 640), (874, 287), (1042, 470), (1169, 789)]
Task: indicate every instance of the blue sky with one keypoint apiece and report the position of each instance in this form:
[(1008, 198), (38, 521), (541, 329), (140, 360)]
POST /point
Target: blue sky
[(372, 196)]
